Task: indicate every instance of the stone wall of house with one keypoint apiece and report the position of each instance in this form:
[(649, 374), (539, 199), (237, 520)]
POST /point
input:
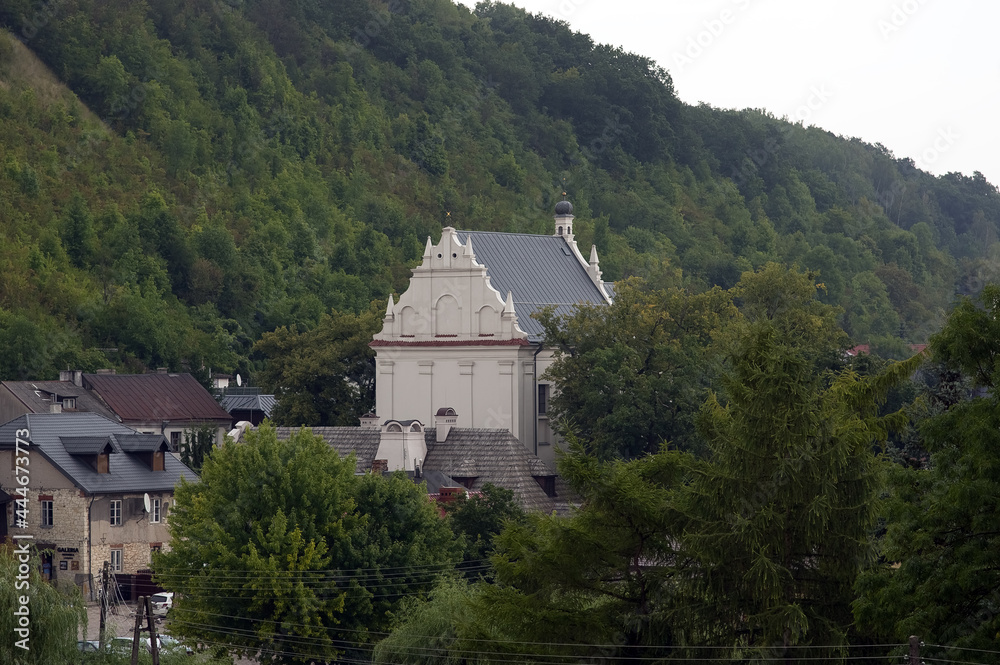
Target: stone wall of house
[(67, 537), (135, 535)]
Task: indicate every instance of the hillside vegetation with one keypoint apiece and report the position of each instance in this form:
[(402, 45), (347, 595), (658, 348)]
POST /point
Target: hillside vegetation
[(181, 176)]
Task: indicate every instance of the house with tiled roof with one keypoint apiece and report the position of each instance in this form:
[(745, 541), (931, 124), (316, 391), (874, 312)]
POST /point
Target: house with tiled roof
[(462, 333), (446, 457), (162, 403), (20, 397), (97, 491)]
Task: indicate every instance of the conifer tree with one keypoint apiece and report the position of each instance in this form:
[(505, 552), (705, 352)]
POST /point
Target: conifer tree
[(778, 517), (939, 577)]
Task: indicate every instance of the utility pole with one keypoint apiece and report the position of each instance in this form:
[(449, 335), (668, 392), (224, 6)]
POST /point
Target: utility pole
[(138, 628), (153, 646), (104, 604), (914, 650)]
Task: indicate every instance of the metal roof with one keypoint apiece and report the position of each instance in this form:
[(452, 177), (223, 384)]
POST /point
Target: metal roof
[(264, 403), (537, 270), (156, 397), (126, 472), (141, 443), (87, 445)]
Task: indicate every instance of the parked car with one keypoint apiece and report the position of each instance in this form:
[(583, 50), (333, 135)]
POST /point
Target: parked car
[(161, 603)]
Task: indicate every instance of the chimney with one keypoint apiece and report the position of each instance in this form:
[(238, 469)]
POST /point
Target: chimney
[(380, 466), (444, 420), (55, 407), (161, 370), (106, 371), (74, 376), (402, 443), (369, 421)]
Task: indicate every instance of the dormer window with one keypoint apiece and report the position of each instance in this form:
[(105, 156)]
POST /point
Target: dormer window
[(94, 450), (150, 448), (69, 402)]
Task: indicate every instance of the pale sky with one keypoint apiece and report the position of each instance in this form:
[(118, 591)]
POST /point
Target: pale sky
[(921, 77)]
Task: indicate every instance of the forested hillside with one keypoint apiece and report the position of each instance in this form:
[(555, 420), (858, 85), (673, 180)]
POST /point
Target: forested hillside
[(181, 176)]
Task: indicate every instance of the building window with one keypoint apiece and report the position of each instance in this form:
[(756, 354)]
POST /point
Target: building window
[(175, 441), (116, 560), (543, 398), (116, 512), (69, 403), (47, 513), (154, 513)]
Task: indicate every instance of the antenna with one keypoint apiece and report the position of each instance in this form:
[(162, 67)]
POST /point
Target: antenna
[(145, 501), (239, 380)]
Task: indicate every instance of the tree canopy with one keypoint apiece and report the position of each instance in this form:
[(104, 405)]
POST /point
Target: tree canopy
[(938, 577), (282, 552)]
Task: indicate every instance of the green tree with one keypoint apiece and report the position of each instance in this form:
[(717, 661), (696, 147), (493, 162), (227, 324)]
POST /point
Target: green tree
[(779, 514), (324, 376), (939, 576), (197, 444), (631, 376), (78, 232), (481, 518), (595, 585), (280, 551), (54, 616)]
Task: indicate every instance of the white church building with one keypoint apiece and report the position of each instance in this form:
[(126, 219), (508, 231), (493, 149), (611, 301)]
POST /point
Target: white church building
[(462, 336)]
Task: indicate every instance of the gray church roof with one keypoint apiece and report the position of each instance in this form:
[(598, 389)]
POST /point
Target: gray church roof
[(538, 270), (81, 433), (359, 441), (490, 455)]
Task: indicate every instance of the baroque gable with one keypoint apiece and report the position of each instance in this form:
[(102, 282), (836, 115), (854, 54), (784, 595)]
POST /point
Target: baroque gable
[(450, 299)]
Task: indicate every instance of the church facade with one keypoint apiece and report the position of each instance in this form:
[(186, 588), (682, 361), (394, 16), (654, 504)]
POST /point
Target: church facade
[(462, 336)]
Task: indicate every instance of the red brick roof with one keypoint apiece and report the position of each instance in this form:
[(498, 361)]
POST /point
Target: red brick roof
[(152, 397)]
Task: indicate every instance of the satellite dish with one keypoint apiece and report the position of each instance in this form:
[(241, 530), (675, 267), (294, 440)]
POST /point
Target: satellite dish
[(145, 501), (239, 380)]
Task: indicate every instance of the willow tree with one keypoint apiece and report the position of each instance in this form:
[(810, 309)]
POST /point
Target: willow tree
[(50, 618)]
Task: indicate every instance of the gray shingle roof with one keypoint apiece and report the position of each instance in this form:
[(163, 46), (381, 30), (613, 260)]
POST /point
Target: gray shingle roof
[(345, 440), (37, 396), (537, 270), (490, 455), (496, 456), (127, 472)]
